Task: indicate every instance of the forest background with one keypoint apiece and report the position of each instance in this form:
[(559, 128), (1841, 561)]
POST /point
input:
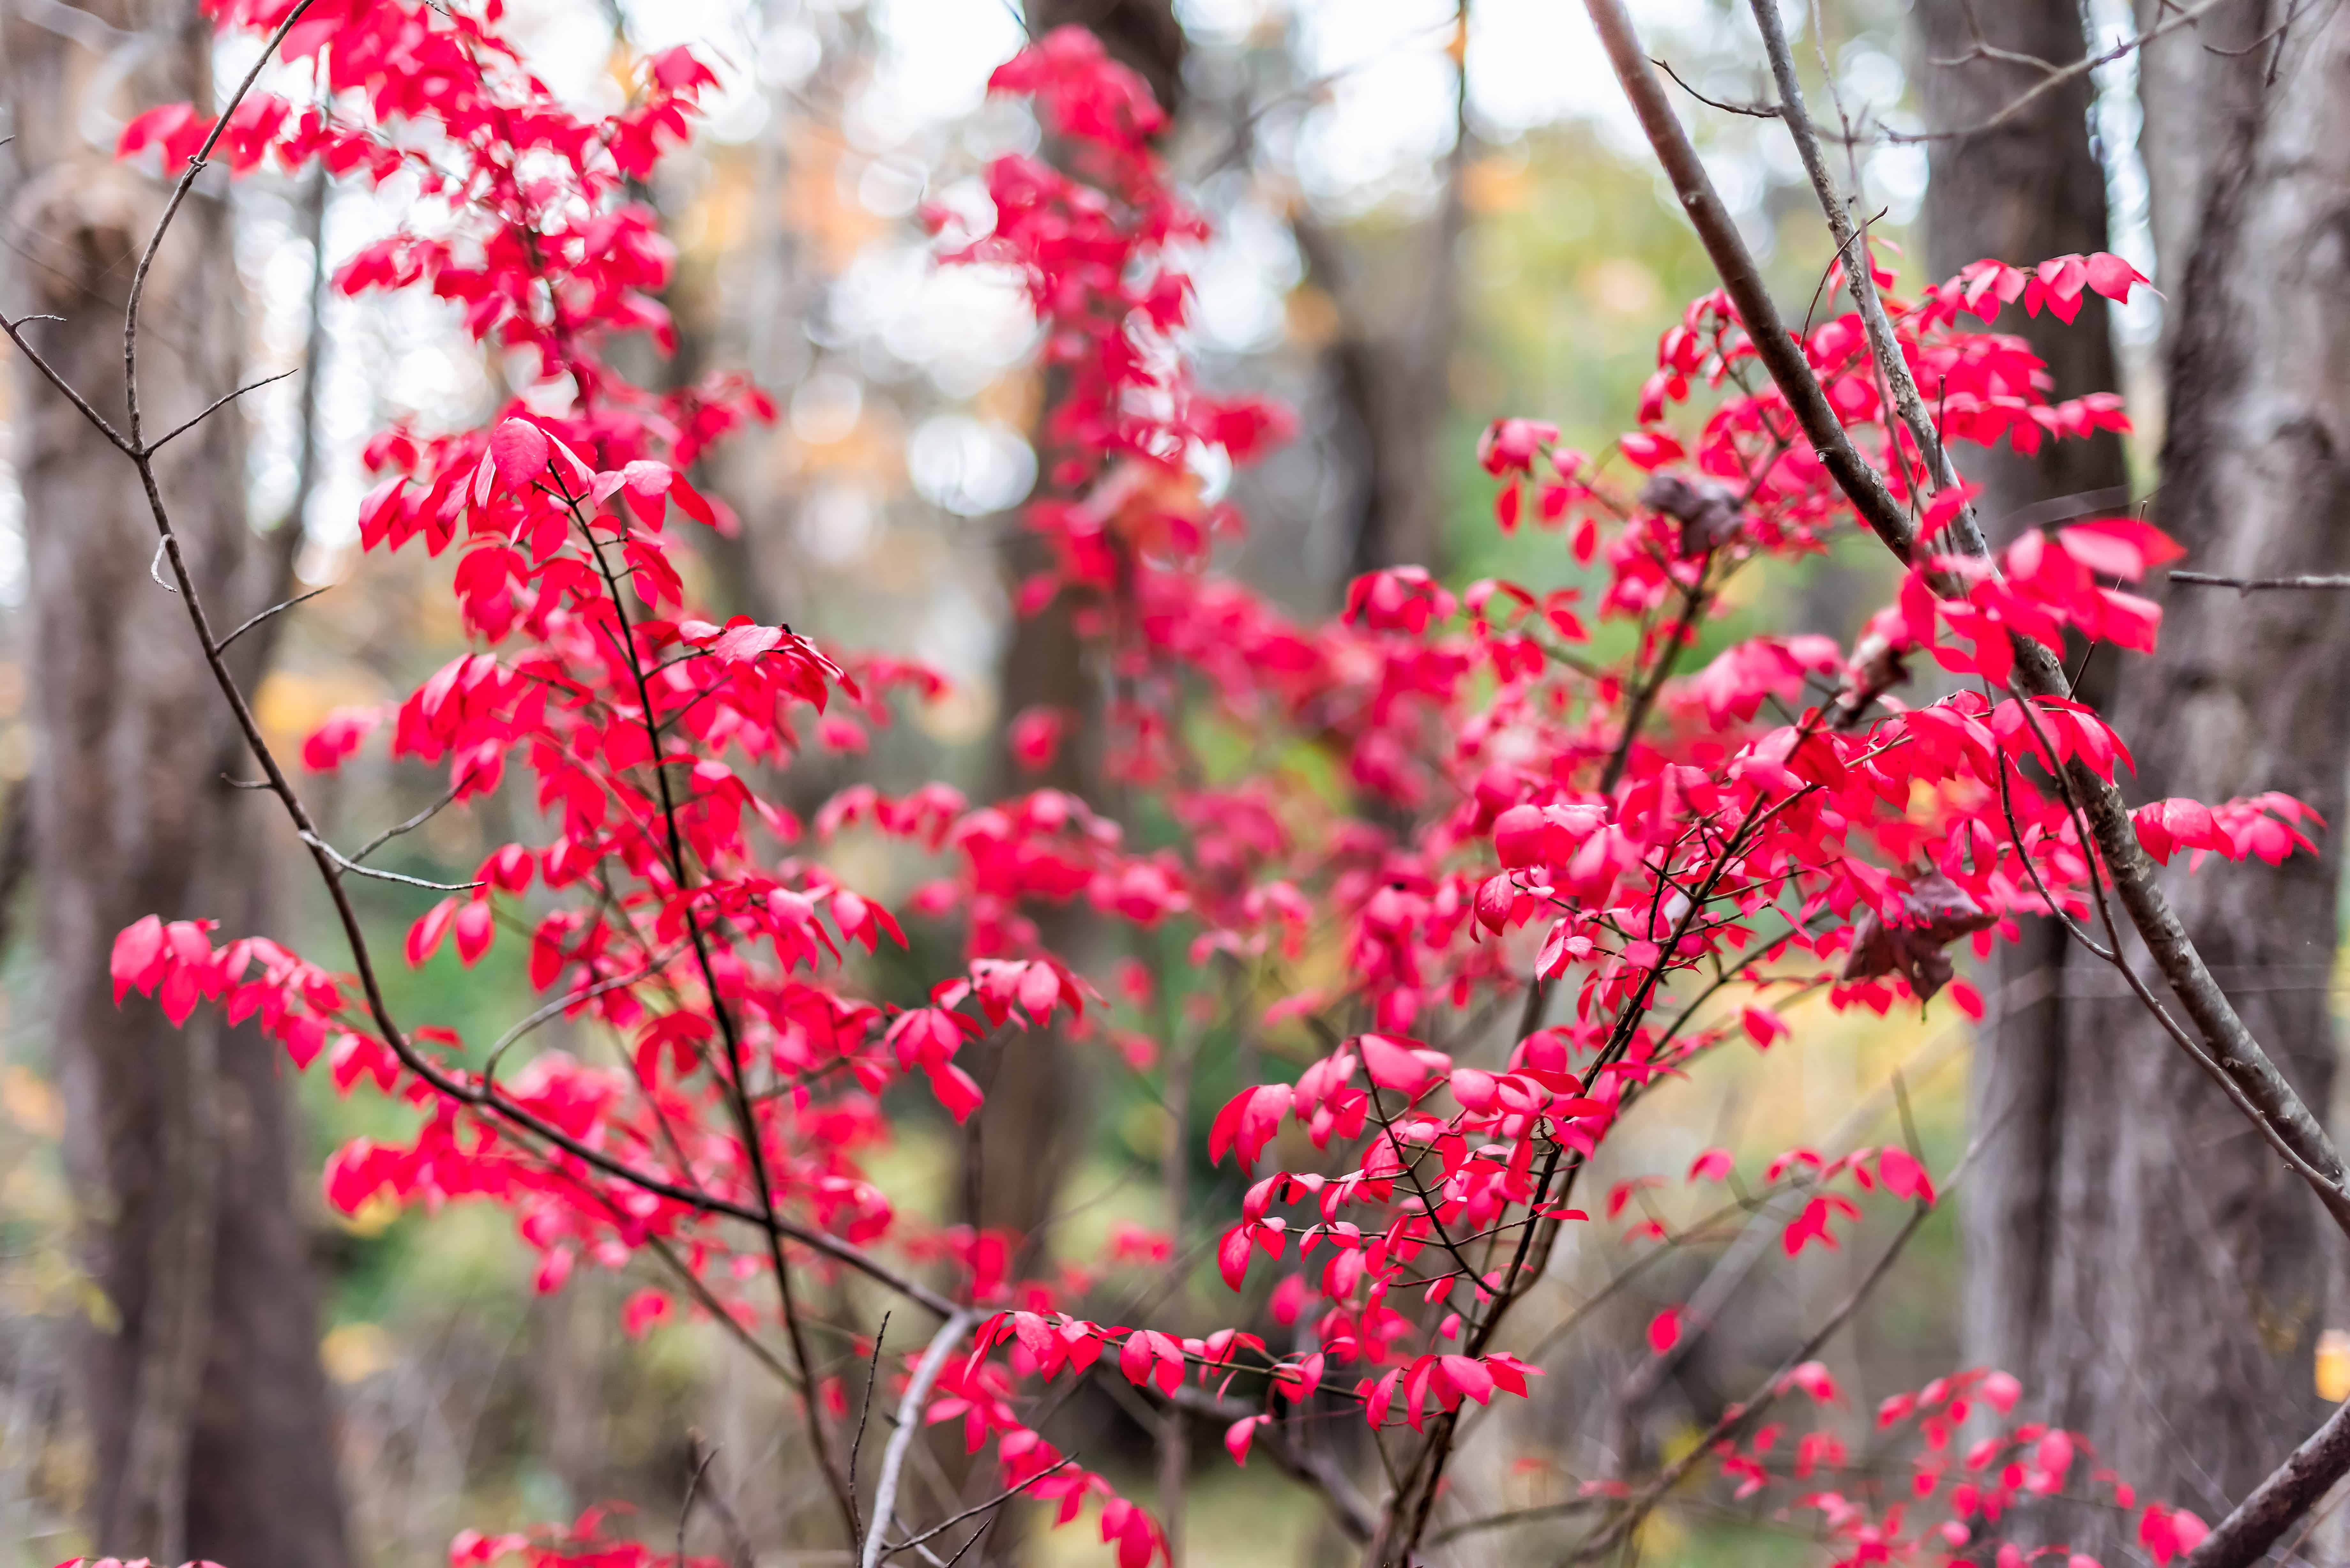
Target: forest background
[(1427, 216)]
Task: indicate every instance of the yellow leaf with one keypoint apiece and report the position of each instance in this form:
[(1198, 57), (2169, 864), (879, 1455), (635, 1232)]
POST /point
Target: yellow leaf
[(355, 1352), (2334, 1366)]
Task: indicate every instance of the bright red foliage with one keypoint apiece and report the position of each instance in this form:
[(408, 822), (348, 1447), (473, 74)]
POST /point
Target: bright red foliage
[(1669, 859)]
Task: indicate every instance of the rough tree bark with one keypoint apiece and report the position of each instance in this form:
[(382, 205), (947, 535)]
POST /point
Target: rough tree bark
[(2189, 1267), (2029, 190), (204, 1401)]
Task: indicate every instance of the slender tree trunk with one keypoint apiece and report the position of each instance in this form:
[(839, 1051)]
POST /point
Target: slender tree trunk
[(1388, 365), (2029, 190), (201, 1387), (1022, 1134), (1023, 1139), (2186, 1271)]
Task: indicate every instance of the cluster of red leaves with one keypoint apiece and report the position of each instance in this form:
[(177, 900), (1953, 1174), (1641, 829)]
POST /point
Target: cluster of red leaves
[(583, 1544), (1656, 850)]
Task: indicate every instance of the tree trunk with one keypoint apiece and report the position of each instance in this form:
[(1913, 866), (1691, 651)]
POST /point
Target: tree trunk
[(1023, 1139), (1388, 366), (2189, 1269), (204, 1401), (2029, 190), (1022, 1136)]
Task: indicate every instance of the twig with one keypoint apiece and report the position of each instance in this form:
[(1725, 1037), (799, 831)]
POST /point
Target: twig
[(355, 870), (2058, 78), (998, 1500), (212, 407), (909, 1420), (414, 822), (1740, 1416), (570, 1000), (265, 615), (2247, 584), (864, 1410), (1756, 110), (692, 1485), (48, 373), (1694, 600), (1514, 1516)]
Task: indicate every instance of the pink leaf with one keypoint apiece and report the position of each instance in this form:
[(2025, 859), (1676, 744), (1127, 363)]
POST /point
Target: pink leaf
[(520, 451)]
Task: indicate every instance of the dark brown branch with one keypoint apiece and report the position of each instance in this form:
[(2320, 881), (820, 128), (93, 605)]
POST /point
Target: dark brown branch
[(2227, 1042), (738, 1089), (1753, 110), (2245, 1535), (864, 1410), (703, 1458), (48, 373), (1778, 350)]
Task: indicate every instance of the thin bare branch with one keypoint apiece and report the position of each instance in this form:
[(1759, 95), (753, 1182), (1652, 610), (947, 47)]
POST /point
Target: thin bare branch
[(216, 406), (2247, 584), (1742, 1416), (1753, 110), (1514, 1516), (196, 164), (704, 1457), (975, 1509), (2058, 78), (411, 823), (265, 615), (48, 373), (569, 1000), (909, 1420), (355, 870), (864, 1410)]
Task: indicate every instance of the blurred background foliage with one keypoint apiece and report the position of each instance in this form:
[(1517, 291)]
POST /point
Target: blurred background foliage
[(871, 513)]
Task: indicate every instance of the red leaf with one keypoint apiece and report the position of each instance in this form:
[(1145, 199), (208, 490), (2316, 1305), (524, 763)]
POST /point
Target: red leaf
[(138, 959), (520, 451), (424, 935), (1239, 1435)]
